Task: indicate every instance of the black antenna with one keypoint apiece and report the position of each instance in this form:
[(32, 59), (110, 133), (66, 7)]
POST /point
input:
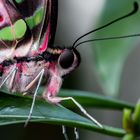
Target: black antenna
[(107, 38), (135, 9)]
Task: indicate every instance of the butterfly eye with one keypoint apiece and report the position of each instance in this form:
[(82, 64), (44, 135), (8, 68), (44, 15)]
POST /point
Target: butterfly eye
[(66, 59)]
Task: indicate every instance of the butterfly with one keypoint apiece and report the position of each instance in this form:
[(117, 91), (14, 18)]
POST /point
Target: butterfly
[(28, 54)]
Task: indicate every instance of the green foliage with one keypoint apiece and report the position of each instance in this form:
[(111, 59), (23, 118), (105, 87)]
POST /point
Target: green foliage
[(15, 109)]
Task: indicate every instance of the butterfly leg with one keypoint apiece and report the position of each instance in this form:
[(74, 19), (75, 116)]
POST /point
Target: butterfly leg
[(76, 133), (50, 95), (81, 109), (59, 99), (52, 89), (39, 76), (64, 132), (11, 73)]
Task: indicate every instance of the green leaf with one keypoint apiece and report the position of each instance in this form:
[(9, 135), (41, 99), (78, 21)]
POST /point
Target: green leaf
[(111, 55), (15, 109)]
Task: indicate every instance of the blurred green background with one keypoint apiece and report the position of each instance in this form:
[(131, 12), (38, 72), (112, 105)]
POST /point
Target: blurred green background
[(108, 67)]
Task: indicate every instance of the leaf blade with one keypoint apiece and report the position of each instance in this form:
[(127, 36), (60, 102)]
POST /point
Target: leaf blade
[(15, 109)]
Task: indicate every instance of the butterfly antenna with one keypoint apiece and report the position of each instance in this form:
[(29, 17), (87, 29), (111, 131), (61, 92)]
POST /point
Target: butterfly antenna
[(135, 9), (107, 38)]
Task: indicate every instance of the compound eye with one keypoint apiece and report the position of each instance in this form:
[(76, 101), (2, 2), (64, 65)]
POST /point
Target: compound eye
[(66, 59)]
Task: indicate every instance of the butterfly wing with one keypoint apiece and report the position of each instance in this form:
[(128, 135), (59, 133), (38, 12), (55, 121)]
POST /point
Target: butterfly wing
[(27, 27), (41, 18), (10, 35), (53, 21)]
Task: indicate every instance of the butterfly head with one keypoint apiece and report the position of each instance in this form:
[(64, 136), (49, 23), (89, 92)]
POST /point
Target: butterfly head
[(68, 60), (64, 59)]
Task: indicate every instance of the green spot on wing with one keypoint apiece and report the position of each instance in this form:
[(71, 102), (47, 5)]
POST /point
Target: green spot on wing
[(19, 1), (16, 31), (20, 24), (36, 18)]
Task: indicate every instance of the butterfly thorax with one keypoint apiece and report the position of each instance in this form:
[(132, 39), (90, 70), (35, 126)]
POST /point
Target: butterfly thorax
[(50, 55), (58, 61)]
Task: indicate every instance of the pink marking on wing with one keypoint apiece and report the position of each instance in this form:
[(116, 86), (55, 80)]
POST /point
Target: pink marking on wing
[(44, 45)]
